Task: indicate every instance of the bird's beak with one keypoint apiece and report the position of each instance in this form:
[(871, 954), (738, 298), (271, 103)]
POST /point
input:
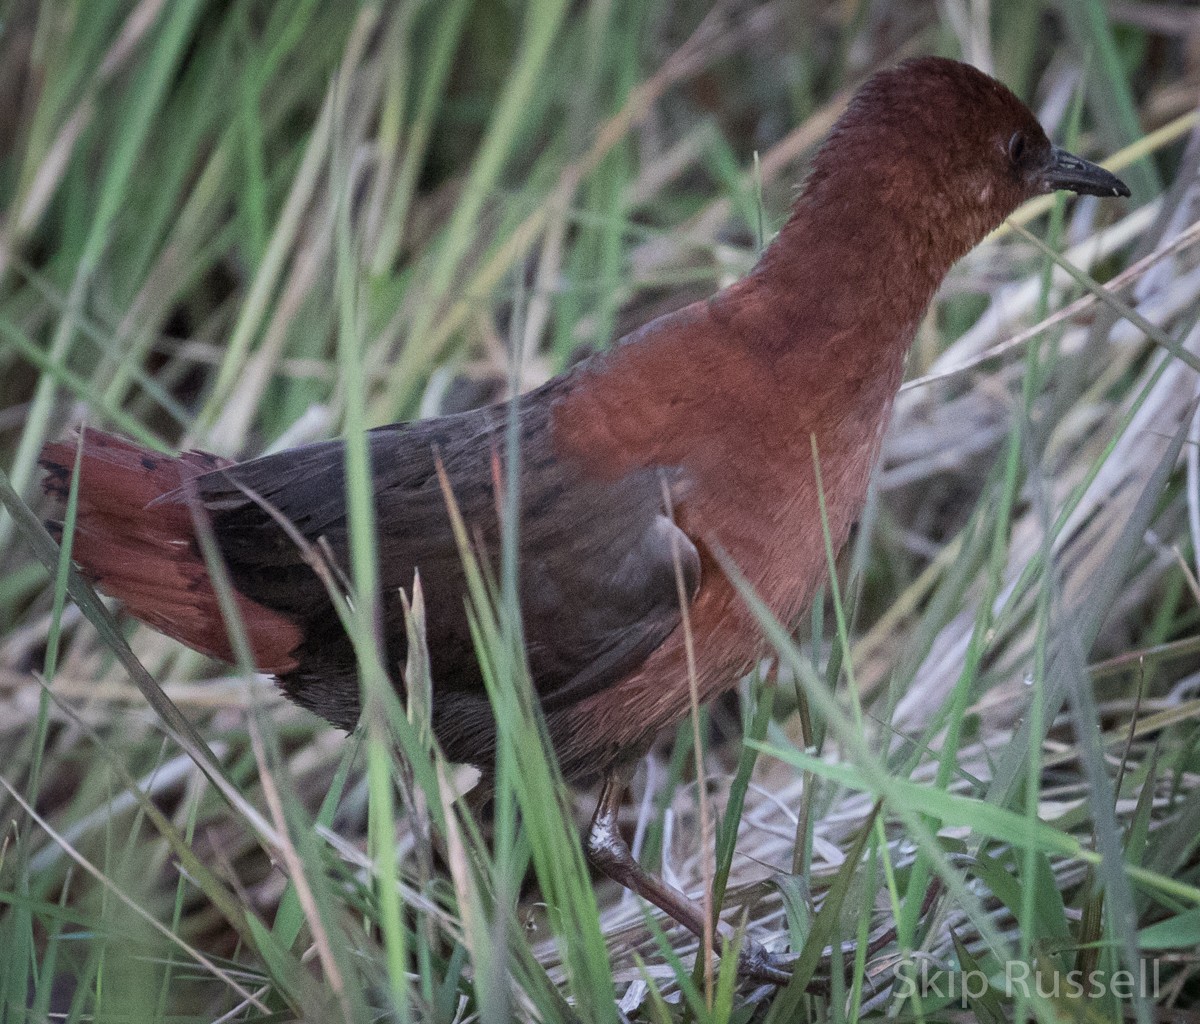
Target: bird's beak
[(1065, 170)]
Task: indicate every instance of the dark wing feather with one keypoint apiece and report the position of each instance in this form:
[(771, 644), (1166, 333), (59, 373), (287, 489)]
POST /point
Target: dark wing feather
[(597, 558)]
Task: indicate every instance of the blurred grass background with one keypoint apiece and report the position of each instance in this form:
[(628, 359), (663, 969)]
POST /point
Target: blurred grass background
[(241, 226)]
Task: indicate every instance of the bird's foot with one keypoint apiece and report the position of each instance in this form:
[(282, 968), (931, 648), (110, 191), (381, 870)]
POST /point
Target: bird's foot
[(777, 968), (756, 962)]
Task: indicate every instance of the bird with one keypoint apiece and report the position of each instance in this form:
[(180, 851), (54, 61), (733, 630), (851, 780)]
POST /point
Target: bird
[(648, 469)]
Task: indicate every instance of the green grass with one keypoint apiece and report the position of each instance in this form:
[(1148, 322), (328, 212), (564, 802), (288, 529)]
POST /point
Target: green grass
[(243, 226)]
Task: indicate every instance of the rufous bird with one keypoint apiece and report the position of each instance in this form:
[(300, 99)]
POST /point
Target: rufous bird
[(689, 441)]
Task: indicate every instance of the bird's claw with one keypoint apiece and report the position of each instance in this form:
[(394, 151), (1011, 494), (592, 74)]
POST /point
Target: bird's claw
[(758, 963)]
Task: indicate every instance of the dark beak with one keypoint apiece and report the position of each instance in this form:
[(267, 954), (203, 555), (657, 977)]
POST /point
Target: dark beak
[(1065, 170)]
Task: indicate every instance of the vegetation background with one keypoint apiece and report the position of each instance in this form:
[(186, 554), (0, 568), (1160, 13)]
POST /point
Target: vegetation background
[(244, 225)]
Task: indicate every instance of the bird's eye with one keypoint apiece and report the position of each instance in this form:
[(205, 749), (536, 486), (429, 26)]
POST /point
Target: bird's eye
[(1016, 147)]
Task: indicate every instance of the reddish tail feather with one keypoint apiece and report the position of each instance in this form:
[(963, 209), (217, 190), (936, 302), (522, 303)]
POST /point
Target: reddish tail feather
[(135, 540)]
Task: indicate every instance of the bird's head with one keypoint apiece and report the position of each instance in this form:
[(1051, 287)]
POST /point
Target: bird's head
[(940, 141)]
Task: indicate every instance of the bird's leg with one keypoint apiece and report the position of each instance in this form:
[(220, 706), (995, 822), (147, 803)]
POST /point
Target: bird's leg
[(608, 852)]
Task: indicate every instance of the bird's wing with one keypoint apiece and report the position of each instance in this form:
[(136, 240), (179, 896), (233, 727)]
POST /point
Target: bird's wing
[(597, 559)]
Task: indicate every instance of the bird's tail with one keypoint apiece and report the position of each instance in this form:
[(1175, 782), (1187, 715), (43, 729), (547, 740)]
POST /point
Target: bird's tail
[(135, 539)]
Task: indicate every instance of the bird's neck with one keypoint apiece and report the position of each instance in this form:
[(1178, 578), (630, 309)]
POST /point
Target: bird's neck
[(852, 278)]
